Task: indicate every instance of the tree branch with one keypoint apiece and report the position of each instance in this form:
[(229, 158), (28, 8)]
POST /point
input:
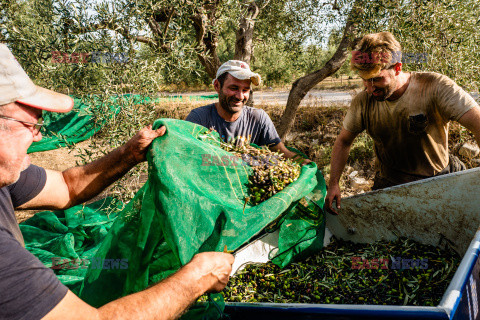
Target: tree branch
[(154, 26), (304, 84), (264, 5), (167, 23), (124, 32), (206, 41)]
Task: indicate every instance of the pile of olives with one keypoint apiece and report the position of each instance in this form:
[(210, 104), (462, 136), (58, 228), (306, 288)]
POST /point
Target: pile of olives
[(271, 172), (401, 272)]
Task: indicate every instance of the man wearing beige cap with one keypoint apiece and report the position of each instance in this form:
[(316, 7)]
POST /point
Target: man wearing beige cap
[(231, 118), (29, 290), (407, 115)]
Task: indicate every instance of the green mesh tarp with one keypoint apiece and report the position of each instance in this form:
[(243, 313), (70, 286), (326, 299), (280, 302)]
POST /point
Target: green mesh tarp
[(185, 207), (79, 124), (182, 98), (67, 240)]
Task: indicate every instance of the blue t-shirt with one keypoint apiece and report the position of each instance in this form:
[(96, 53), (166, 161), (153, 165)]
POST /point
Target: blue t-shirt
[(253, 125), (28, 289)]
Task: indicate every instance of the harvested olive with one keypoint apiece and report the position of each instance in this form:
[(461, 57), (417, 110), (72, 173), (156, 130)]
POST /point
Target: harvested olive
[(344, 272)]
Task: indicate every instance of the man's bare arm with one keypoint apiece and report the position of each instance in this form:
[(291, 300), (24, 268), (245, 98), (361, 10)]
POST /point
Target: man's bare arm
[(287, 154), (79, 184), (168, 299), (471, 121), (340, 152)]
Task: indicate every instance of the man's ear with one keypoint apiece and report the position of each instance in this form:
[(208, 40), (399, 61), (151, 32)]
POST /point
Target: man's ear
[(398, 68), (216, 85)]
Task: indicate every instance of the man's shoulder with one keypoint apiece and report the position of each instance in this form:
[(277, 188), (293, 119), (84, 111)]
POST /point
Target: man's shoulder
[(203, 109), (360, 98), (255, 113), (202, 115), (30, 183), (436, 83), (430, 77)]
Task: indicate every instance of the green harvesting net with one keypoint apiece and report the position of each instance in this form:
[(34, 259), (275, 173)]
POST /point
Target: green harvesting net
[(87, 117), (185, 207)]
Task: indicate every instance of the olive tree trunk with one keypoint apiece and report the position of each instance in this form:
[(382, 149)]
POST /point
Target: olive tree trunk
[(244, 33), (304, 84)]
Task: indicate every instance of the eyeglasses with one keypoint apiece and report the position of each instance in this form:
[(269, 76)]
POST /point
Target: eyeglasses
[(34, 127)]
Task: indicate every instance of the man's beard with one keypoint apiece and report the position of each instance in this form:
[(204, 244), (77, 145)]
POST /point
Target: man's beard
[(386, 92), (13, 171), (225, 103)]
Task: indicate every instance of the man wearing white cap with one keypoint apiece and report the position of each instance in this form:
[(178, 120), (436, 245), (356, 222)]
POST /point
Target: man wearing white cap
[(231, 118), (29, 290)]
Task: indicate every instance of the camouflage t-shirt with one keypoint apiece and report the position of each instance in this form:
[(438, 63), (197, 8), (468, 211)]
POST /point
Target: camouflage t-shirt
[(411, 133)]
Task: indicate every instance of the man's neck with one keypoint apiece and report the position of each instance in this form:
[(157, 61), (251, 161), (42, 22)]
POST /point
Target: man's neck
[(402, 85), (229, 117)]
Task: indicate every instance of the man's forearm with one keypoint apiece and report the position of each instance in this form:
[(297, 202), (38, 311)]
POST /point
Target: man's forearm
[(85, 182), (166, 300), (286, 154), (206, 272)]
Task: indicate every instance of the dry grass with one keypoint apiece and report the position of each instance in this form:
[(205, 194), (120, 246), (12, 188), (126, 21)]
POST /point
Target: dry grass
[(330, 83)]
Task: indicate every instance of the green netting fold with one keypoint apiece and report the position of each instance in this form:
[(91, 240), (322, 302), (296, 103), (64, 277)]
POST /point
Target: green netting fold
[(66, 241)]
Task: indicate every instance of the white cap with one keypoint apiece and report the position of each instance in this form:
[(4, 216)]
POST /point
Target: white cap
[(15, 85), (240, 70)]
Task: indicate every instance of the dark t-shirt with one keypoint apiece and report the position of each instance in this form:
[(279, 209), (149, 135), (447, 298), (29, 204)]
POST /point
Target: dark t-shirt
[(28, 289), (31, 182), (253, 125)]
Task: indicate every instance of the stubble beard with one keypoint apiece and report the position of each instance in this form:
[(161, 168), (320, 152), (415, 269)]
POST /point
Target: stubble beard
[(12, 169), (11, 175), (225, 103), (388, 91)]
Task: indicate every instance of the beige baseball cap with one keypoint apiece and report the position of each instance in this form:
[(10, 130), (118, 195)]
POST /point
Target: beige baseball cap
[(15, 85), (240, 70)]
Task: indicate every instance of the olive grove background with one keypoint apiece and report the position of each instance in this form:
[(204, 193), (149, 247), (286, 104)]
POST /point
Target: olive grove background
[(183, 42), (179, 44)]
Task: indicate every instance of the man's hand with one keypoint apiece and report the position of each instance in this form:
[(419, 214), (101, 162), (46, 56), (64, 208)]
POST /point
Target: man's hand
[(333, 193), (287, 154), (301, 160), (137, 146), (212, 269)]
